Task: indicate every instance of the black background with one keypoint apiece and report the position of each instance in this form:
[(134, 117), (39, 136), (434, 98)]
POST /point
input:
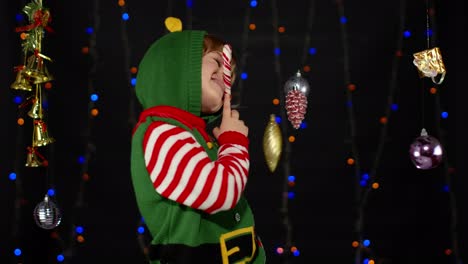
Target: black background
[(407, 219)]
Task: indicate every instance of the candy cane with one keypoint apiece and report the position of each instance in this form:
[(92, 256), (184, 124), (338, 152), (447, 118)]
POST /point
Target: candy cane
[(227, 56)]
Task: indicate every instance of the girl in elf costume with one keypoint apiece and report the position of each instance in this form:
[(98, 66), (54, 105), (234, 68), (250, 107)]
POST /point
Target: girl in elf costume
[(189, 186)]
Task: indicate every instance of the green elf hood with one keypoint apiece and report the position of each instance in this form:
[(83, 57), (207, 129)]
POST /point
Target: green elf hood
[(170, 72)]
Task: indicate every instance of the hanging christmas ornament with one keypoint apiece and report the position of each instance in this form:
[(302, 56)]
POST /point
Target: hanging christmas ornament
[(40, 135), (36, 70), (35, 159), (296, 89), (426, 151), (429, 63), (39, 18), (272, 144), (46, 214), (21, 82)]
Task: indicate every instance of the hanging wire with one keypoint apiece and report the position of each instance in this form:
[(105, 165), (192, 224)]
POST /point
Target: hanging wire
[(428, 37), (284, 209), (142, 239), (132, 116), (423, 87), (169, 8), (353, 129), (69, 246), (189, 5), (50, 163), (393, 88), (310, 22), (446, 168), (243, 58), (447, 175), (16, 229)]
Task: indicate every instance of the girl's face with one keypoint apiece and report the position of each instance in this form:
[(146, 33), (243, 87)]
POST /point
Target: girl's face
[(212, 82)]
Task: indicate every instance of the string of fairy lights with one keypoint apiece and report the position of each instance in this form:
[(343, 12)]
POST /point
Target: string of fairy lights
[(16, 175), (440, 114), (69, 243), (362, 180), (247, 27), (129, 71), (293, 108), (284, 248), (366, 183), (143, 238), (77, 231), (354, 157), (33, 71)]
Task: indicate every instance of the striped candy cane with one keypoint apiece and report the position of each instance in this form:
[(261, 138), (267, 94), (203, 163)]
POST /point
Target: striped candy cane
[(227, 56)]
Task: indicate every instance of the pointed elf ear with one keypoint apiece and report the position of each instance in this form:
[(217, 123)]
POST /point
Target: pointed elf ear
[(173, 24)]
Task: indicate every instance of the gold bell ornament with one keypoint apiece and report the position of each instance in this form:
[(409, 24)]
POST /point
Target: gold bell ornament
[(34, 158), (20, 82), (430, 64), (40, 135), (39, 18), (272, 143), (36, 69), (36, 109)]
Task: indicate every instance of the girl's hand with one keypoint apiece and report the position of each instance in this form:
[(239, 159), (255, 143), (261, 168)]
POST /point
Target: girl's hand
[(230, 121)]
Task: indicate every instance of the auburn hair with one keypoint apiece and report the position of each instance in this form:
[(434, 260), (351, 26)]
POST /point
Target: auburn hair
[(214, 43)]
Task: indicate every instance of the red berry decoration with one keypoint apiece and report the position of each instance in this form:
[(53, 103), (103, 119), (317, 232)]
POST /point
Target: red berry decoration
[(296, 106)]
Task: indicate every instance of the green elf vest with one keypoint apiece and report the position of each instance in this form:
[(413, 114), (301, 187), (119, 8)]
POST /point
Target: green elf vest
[(185, 235)]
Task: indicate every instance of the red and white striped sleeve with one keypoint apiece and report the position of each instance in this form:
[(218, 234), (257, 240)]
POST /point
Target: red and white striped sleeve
[(181, 170)]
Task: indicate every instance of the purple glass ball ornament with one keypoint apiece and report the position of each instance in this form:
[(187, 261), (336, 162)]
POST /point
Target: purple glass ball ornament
[(426, 151)]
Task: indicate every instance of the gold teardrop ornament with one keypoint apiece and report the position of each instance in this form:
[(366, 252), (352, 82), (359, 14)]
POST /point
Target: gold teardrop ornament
[(272, 144)]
